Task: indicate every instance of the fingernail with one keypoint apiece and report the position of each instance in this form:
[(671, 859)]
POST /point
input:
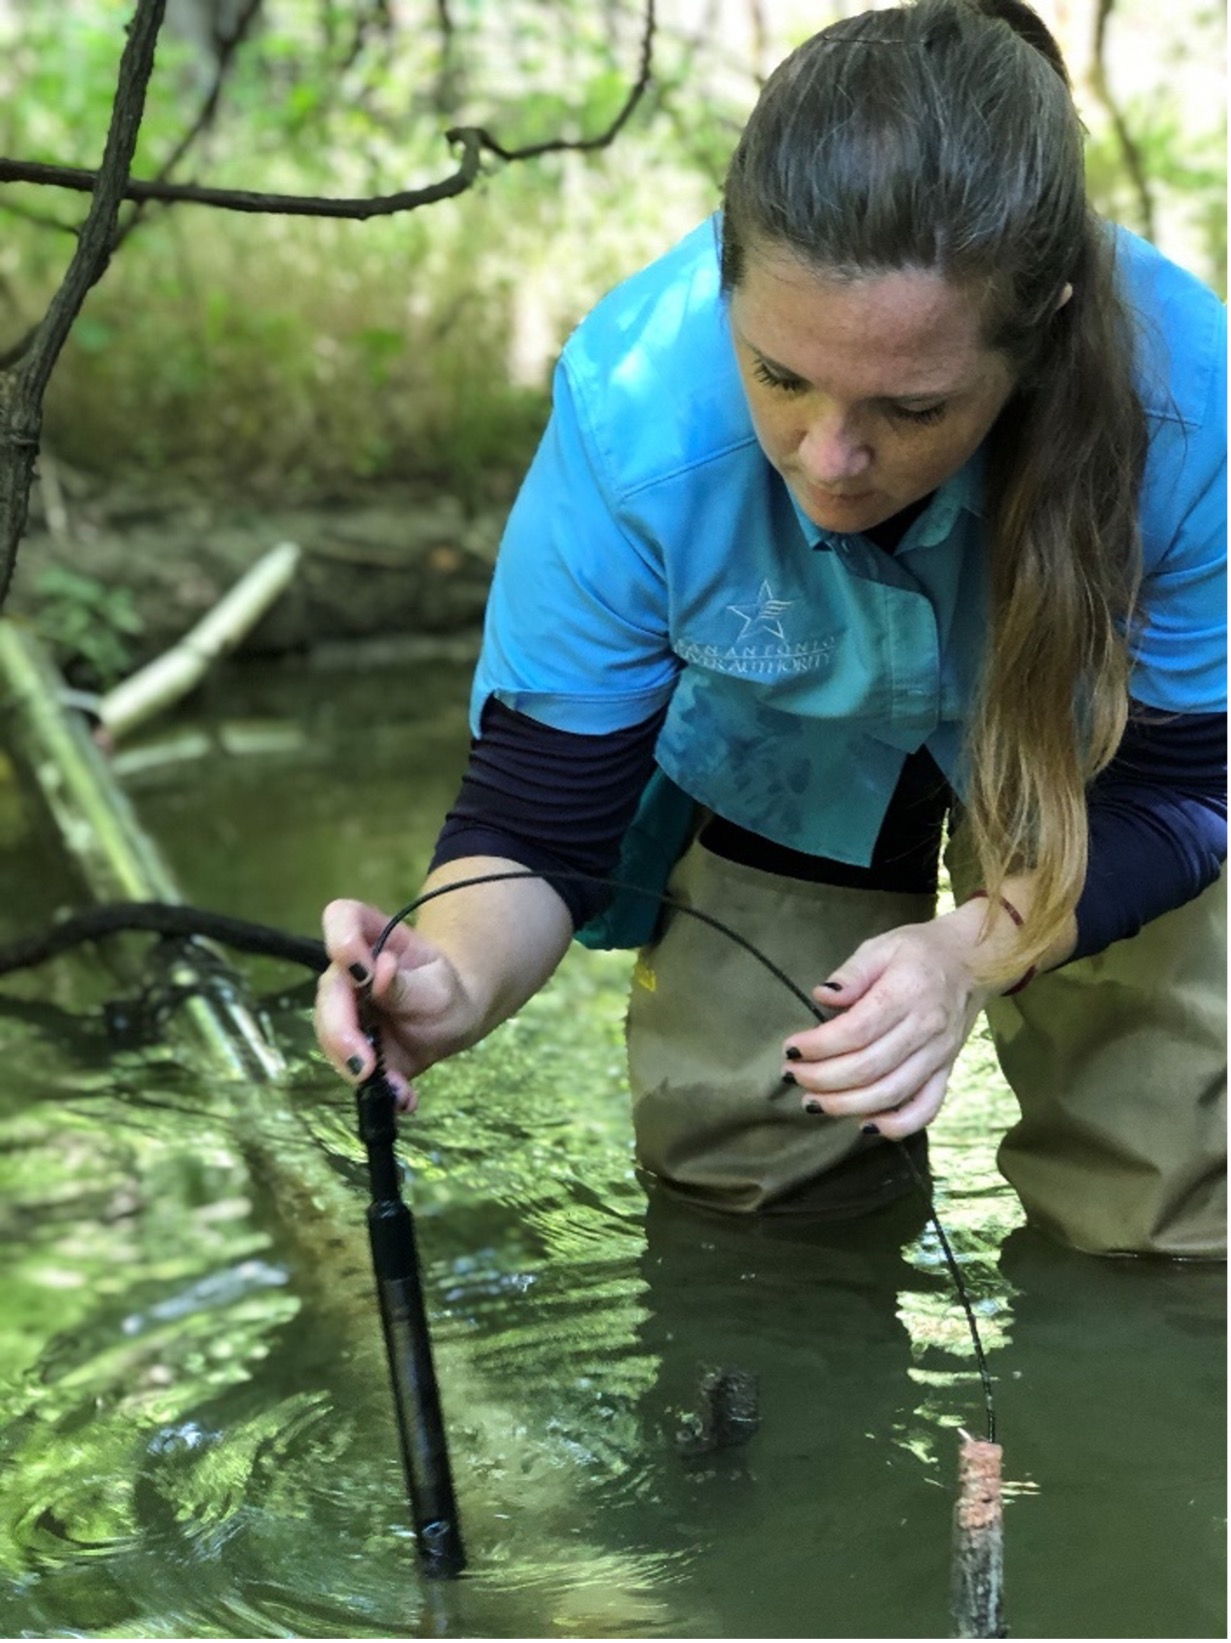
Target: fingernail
[(813, 1107), (793, 1053), (868, 1129), (834, 986), (359, 973), (789, 1078), (354, 1065)]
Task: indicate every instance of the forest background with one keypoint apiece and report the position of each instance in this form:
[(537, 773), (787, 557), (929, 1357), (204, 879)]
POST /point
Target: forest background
[(374, 390)]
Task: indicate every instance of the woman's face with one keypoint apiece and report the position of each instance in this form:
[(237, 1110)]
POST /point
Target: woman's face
[(865, 394)]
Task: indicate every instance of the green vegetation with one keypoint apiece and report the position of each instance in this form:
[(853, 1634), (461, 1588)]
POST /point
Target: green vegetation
[(89, 624), (276, 355)]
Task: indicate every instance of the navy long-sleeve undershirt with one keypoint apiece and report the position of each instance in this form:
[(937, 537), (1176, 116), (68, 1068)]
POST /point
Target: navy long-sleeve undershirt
[(556, 801)]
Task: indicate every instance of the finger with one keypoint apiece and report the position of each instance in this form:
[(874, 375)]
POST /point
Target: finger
[(916, 1113), (893, 1090), (346, 1045), (831, 998), (851, 979), (351, 929), (857, 1069), (338, 1032), (388, 989), (852, 1029)]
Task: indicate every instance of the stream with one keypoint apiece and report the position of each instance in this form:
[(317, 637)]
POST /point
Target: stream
[(196, 1430)]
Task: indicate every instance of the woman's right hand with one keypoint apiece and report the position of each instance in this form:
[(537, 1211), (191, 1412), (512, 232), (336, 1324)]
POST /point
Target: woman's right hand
[(421, 1005)]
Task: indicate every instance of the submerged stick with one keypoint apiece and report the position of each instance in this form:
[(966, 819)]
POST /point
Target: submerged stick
[(976, 1606)]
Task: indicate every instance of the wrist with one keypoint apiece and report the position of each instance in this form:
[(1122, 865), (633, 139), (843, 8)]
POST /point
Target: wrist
[(1000, 903), (988, 936)]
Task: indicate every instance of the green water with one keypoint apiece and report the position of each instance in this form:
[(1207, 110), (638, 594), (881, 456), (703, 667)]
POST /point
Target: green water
[(195, 1425)]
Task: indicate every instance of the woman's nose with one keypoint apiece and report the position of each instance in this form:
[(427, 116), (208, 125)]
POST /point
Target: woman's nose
[(831, 451)]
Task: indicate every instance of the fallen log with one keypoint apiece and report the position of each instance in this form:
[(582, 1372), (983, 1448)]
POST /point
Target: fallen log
[(172, 675)]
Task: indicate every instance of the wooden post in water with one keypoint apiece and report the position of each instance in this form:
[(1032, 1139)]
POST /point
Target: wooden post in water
[(976, 1605)]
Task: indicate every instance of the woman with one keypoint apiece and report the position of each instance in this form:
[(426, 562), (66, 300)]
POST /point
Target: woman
[(896, 491)]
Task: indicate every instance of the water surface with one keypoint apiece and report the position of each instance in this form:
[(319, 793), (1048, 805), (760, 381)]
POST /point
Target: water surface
[(195, 1425)]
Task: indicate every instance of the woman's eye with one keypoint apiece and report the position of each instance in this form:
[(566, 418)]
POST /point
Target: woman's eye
[(773, 379), (904, 413)]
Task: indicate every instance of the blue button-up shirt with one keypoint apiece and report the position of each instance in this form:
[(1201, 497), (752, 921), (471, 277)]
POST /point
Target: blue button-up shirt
[(654, 556)]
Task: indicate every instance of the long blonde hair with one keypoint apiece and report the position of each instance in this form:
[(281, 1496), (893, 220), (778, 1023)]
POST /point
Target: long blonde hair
[(942, 135)]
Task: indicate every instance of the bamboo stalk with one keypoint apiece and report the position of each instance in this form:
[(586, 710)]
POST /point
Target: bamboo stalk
[(177, 671), (977, 1592)]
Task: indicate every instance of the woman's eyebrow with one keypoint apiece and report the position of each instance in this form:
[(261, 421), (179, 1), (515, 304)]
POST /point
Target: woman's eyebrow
[(950, 391), (928, 398), (774, 365)]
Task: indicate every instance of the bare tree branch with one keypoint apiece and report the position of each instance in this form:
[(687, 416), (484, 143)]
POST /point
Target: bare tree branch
[(1134, 163), (445, 93), (585, 144), (760, 39), (474, 140), (41, 219), (236, 199), (376, 20), (21, 416), (225, 47), (23, 387)]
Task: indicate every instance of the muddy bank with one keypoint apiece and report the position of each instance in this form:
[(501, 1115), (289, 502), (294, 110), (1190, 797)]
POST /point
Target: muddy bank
[(381, 565)]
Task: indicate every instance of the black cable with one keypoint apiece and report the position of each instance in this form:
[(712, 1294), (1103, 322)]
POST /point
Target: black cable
[(163, 918), (611, 884), (956, 1273)]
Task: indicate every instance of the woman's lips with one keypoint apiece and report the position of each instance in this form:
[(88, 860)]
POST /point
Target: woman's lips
[(839, 499)]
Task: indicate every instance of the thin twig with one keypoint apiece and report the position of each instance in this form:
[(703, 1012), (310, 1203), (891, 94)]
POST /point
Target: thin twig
[(40, 219), (445, 95), (584, 144), (1134, 162), (226, 47)]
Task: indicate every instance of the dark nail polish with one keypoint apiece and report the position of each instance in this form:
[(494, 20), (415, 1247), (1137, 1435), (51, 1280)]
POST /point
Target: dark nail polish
[(789, 1078), (813, 1107), (868, 1129), (834, 986), (794, 1054), (359, 973), (354, 1065)]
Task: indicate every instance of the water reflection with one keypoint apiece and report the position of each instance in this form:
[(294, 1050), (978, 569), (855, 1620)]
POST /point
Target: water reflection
[(195, 1424)]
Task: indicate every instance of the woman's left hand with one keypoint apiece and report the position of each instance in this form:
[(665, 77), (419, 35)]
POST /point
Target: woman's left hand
[(907, 1001)]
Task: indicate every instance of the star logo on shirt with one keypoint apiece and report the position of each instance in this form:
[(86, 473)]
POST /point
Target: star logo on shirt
[(765, 616)]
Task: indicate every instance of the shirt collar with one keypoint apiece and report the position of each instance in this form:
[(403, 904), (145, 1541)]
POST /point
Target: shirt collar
[(962, 492)]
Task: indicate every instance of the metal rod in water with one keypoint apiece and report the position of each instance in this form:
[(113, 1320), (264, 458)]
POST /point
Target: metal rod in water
[(976, 1606)]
